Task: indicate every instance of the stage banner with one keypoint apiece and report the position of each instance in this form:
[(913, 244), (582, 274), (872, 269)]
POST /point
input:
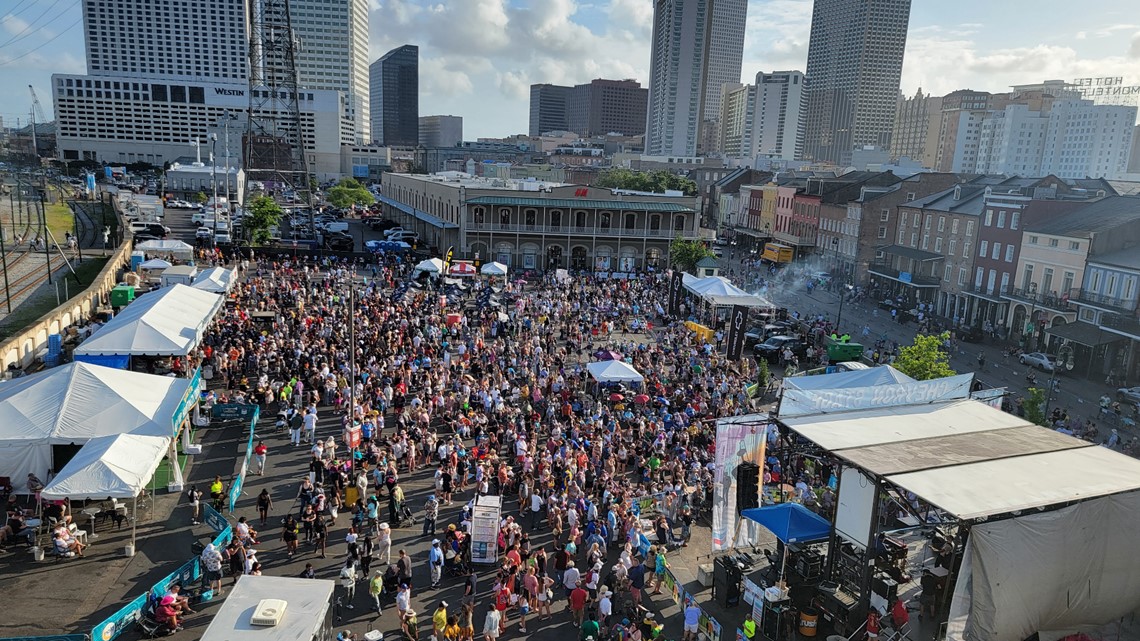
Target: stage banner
[(797, 402), (676, 292), (736, 330), (738, 439), (991, 397)]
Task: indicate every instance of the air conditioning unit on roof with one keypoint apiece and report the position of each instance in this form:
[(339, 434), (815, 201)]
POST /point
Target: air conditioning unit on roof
[(268, 612)]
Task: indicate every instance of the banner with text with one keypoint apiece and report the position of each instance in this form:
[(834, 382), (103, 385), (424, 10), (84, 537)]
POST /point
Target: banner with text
[(738, 439), (676, 292), (736, 330)]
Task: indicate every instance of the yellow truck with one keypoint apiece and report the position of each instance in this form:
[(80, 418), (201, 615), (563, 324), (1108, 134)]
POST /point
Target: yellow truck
[(777, 253)]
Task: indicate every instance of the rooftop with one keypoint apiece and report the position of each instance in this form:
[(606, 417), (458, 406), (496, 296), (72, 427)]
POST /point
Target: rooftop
[(579, 203), (1098, 216), (1126, 258), (463, 179)]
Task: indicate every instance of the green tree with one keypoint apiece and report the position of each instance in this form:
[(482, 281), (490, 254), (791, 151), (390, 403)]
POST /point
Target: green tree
[(201, 198), (656, 182), (347, 193), (1034, 405), (925, 360), (763, 374), (264, 212), (685, 254)]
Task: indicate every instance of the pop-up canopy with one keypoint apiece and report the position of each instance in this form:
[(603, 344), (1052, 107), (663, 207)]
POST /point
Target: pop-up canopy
[(431, 266), (216, 280), (614, 372), (117, 466), (790, 522), (494, 269), (169, 322)]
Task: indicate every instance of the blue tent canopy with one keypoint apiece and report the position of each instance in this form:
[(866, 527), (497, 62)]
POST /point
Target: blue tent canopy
[(790, 522)]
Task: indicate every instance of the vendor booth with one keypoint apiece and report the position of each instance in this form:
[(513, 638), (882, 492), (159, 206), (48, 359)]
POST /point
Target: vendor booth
[(46, 418), (615, 371), (429, 266), (176, 248), (158, 326), (493, 268), (216, 280), (115, 466)]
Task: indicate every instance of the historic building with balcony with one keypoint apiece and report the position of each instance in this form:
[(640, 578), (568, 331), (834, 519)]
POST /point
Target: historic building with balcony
[(533, 225)]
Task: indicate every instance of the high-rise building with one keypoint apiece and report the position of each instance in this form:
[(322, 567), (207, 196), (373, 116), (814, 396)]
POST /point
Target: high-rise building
[(334, 53), (1011, 141), (854, 66), (915, 134), (1085, 140), (187, 76), (603, 107), (394, 87), (958, 128), (737, 120), (441, 131), (549, 109), (726, 50), (779, 120), (678, 75)]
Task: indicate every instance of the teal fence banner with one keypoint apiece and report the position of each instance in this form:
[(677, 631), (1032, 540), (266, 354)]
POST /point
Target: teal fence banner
[(239, 480)]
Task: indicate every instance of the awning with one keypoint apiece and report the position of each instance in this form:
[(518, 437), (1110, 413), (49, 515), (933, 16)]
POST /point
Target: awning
[(905, 278), (909, 252), (790, 522), (434, 221), (1083, 333)]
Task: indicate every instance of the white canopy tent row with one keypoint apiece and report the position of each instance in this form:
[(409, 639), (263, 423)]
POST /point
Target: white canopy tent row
[(176, 248), (47, 413), (167, 322), (116, 466), (719, 291), (216, 280)]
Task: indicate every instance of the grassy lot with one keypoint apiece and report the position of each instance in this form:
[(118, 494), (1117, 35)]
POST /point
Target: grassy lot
[(60, 219), (44, 301)]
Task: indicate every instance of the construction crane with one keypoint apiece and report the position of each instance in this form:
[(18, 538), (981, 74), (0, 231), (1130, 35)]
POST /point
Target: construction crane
[(37, 110)]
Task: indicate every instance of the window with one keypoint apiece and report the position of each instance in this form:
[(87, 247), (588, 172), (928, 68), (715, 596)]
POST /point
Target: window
[(1009, 253), (1129, 288), (989, 218), (1004, 282), (1001, 220), (965, 250), (654, 222), (605, 220), (961, 276), (630, 221), (1074, 245), (914, 239), (580, 219), (1053, 242), (979, 274), (926, 223), (556, 218), (925, 241), (1027, 277), (1094, 282), (679, 223), (902, 219), (916, 220), (948, 274), (1047, 281), (1109, 285), (953, 248), (909, 196), (530, 217), (1014, 219), (1088, 315), (941, 224), (1067, 283), (954, 226), (938, 244), (504, 216), (882, 232), (1033, 240), (969, 228), (884, 215), (997, 252), (983, 248)]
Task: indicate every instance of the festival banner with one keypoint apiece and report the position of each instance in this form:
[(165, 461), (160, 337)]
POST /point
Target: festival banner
[(738, 439), (676, 291), (736, 330), (991, 397)]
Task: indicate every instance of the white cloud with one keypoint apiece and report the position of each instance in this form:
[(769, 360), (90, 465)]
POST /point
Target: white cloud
[(13, 24)]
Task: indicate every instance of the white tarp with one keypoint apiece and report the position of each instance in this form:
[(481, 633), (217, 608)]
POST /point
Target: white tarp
[(155, 263), (1069, 570), (216, 280), (116, 466), (494, 269), (169, 322), (870, 377), (738, 439), (804, 402), (74, 403), (614, 372), (431, 266), (175, 247)]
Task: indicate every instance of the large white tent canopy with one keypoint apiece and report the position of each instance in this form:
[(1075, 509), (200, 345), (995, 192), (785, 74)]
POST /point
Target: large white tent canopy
[(870, 377), (431, 266), (494, 268), (175, 247), (718, 290), (117, 466), (77, 402), (216, 280), (614, 372), (168, 322)]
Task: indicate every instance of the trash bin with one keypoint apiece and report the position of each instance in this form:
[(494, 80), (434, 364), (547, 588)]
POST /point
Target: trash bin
[(809, 622)]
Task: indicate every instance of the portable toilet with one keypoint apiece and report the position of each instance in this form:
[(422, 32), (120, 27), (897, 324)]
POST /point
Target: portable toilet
[(122, 295), (137, 258)]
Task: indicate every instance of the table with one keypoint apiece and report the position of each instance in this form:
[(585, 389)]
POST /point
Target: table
[(91, 513)]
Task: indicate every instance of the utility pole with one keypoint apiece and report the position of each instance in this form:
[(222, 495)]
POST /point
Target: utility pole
[(44, 235), (4, 258)]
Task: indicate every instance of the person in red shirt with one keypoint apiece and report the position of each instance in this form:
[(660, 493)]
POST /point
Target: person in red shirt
[(167, 613), (578, 598), (502, 602)]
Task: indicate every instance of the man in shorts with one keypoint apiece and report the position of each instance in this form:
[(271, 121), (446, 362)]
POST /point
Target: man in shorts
[(692, 620)]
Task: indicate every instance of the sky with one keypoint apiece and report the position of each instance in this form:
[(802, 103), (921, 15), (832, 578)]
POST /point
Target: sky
[(479, 57)]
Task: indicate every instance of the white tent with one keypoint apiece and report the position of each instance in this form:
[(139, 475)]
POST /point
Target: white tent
[(76, 402), (216, 280), (718, 290), (176, 247), (494, 269), (155, 263), (117, 466), (431, 266), (169, 322), (614, 372)]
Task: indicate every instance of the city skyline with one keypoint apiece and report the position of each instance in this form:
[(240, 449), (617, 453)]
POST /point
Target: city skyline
[(494, 50)]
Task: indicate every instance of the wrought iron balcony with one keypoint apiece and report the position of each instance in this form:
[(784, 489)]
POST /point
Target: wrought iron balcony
[(1123, 306), (1046, 300)]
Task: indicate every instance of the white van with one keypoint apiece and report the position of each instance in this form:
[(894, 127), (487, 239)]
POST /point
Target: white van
[(404, 237), (336, 226)]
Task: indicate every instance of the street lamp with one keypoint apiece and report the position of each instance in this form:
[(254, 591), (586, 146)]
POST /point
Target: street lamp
[(1064, 359), (842, 283), (214, 181)]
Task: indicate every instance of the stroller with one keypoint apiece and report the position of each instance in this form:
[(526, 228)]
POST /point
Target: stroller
[(406, 514)]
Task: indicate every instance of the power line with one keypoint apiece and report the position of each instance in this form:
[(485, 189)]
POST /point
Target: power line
[(21, 35), (13, 10), (42, 45)]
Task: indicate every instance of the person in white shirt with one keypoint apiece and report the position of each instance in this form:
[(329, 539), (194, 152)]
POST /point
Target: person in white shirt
[(605, 605), (570, 578)]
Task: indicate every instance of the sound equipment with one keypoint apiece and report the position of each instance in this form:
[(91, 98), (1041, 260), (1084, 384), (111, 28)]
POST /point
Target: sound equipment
[(775, 620), (809, 565), (885, 587), (747, 486), (727, 575)]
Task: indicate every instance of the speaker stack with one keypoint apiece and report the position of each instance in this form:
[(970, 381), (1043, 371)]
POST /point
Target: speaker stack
[(747, 486)]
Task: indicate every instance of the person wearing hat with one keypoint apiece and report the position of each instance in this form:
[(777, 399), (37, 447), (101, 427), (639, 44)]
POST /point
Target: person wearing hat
[(410, 624), (403, 601), (384, 544), (605, 605), (435, 563), (439, 620), (431, 513), (375, 589), (167, 613)]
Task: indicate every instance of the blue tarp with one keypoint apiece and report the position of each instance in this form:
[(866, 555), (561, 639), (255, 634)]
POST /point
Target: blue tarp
[(790, 522), (117, 361)]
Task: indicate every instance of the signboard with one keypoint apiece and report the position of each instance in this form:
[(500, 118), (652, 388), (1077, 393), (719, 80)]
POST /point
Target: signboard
[(352, 437), (485, 517), (795, 402), (235, 487), (234, 411), (1108, 90), (193, 393), (905, 277), (991, 397), (736, 330), (213, 518), (676, 291)]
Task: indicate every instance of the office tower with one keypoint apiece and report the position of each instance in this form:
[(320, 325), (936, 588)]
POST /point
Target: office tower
[(726, 50), (678, 67), (779, 121), (854, 65), (333, 54), (917, 122), (549, 109), (737, 113), (395, 97), (441, 131), (603, 107)]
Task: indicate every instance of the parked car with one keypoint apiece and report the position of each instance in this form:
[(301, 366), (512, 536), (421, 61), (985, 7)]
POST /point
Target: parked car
[(203, 233), (1043, 362), (394, 230), (221, 237), (1128, 395), (761, 333), (771, 349), (339, 242), (155, 229), (972, 334), (380, 224)]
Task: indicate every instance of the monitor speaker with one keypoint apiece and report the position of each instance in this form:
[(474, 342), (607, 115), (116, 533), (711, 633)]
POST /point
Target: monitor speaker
[(747, 486)]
